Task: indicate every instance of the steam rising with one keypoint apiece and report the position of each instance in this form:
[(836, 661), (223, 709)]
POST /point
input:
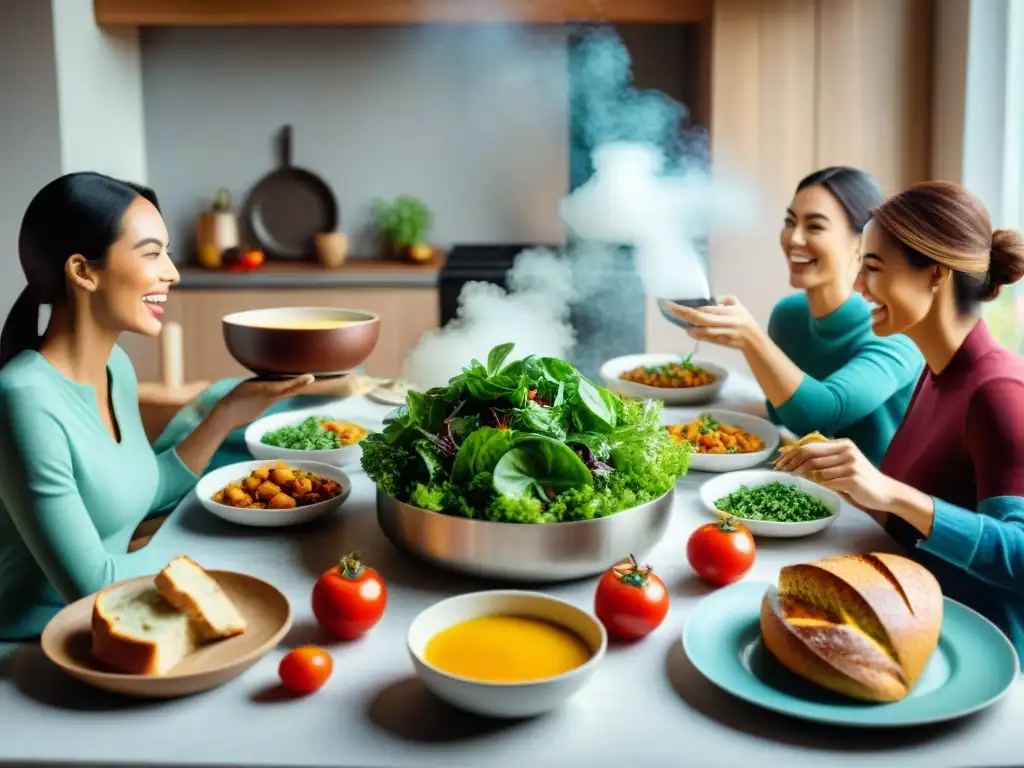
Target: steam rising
[(650, 189)]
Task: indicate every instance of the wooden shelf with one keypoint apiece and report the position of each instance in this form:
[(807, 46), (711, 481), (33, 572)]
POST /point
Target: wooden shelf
[(264, 13)]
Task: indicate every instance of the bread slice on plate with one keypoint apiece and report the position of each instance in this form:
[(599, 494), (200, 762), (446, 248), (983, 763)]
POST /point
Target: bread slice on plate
[(186, 586), (137, 632)]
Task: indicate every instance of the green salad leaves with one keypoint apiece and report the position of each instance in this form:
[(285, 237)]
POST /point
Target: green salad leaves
[(527, 441)]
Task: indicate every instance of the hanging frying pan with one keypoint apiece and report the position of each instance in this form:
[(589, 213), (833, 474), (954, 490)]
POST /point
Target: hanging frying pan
[(290, 206)]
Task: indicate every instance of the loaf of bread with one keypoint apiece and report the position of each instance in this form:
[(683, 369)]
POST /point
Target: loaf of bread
[(863, 626), (148, 627), (186, 586), (136, 631)]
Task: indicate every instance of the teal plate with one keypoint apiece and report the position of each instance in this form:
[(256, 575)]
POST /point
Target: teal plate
[(972, 667)]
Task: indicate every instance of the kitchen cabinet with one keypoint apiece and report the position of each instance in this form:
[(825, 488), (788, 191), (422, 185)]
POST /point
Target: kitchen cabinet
[(406, 312), (259, 13)]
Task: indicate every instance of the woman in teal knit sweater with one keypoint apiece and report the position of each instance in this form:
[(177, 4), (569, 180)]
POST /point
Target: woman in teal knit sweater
[(78, 474), (819, 365)]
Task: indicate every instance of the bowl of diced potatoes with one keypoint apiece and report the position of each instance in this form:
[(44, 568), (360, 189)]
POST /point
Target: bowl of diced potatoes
[(266, 494)]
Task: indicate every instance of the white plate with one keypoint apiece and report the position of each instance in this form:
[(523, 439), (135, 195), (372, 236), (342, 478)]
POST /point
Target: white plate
[(512, 700), (723, 485), (212, 482), (337, 457), (612, 369), (729, 462)]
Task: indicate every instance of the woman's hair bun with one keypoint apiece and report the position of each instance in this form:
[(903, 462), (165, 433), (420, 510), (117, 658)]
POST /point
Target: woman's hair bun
[(1006, 259)]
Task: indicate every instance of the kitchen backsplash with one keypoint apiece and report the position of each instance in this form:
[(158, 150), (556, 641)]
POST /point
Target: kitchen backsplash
[(472, 120)]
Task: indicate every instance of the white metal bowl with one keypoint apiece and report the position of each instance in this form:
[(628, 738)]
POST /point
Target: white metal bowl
[(506, 700), (718, 487), (212, 482), (337, 457), (729, 462), (613, 369)]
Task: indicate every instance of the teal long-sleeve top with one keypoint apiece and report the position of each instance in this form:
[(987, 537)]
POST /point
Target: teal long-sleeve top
[(856, 385), (70, 495)]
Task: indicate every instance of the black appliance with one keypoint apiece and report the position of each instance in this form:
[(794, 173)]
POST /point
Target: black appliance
[(609, 322)]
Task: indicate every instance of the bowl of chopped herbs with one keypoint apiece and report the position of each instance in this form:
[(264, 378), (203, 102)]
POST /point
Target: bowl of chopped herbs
[(772, 504), (307, 437)]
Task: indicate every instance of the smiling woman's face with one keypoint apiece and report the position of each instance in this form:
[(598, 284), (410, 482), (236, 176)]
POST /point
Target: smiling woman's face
[(129, 291), (819, 244), (901, 294)]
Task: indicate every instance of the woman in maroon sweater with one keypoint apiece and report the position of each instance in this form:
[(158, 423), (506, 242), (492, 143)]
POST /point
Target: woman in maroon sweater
[(950, 488)]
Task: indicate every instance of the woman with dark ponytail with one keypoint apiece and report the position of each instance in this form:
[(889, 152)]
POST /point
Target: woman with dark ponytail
[(77, 474), (951, 486)]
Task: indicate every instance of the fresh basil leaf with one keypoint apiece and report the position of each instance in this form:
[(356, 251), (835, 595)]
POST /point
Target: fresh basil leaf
[(536, 465), (427, 411), (544, 421), (599, 404), (558, 370), (480, 452), (497, 357)]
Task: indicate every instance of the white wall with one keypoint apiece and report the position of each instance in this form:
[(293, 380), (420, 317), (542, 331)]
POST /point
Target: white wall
[(29, 126), (99, 84)]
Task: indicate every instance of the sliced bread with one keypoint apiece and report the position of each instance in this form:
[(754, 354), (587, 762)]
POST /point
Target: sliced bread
[(136, 631), (185, 585)]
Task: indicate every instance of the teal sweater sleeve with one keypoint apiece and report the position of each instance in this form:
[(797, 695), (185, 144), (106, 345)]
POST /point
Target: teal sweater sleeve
[(881, 368), (989, 543), (43, 501)]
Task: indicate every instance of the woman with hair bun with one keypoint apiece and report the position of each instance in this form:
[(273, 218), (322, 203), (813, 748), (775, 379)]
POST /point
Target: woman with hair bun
[(951, 484), (77, 474)]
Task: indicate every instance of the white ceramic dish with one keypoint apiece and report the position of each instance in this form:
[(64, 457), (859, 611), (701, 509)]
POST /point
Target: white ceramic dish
[(612, 369), (729, 462), (508, 700), (337, 457), (212, 482), (723, 485)]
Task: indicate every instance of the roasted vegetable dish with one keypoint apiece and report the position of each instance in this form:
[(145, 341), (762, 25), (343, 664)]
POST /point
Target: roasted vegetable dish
[(278, 487), (708, 435), (676, 375)]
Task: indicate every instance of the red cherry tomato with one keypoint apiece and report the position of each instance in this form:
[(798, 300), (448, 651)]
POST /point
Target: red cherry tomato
[(722, 552), (349, 599), (630, 600), (305, 669)]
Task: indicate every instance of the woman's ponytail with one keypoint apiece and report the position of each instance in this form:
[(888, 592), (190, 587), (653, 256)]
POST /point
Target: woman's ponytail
[(21, 328)]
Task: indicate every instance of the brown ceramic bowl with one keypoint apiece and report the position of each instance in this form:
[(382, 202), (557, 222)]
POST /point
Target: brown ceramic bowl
[(291, 341)]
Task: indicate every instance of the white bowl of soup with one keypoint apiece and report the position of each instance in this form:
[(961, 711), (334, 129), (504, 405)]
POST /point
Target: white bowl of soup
[(318, 437), (290, 341), (273, 494), (506, 653)]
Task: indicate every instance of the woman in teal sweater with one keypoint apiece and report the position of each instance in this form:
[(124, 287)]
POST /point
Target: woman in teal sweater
[(78, 474), (819, 365)]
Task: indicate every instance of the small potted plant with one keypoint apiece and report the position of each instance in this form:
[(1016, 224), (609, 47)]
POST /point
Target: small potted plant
[(404, 224)]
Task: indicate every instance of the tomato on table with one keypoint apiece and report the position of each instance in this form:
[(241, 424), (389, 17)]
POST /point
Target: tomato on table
[(306, 669), (349, 599), (630, 600), (722, 552)]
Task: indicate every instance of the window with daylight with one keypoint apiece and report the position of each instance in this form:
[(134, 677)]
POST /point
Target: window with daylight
[(1005, 315)]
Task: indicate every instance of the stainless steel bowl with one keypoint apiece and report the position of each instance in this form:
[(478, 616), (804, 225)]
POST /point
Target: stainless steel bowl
[(524, 552)]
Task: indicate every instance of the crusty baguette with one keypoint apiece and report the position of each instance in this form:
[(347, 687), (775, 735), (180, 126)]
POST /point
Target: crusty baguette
[(863, 626), (185, 585), (137, 632)]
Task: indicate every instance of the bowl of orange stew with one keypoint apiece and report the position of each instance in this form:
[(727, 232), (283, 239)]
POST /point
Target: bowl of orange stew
[(267, 494), (673, 379), (723, 441)]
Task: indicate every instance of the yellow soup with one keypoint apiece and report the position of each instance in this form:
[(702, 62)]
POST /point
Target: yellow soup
[(506, 649), (303, 325)]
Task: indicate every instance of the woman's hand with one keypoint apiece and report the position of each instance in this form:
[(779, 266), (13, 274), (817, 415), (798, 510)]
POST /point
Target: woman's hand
[(727, 323), (250, 398), (840, 466)]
